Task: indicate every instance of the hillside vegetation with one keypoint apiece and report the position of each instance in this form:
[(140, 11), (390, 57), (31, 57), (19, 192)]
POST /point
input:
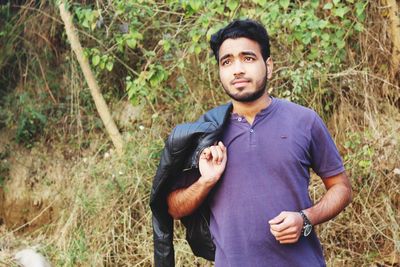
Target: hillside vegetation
[(65, 190)]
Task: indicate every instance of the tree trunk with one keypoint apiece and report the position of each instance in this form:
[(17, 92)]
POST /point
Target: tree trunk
[(394, 34), (90, 79)]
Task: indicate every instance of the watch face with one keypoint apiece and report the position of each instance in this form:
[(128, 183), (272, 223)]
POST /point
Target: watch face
[(307, 229)]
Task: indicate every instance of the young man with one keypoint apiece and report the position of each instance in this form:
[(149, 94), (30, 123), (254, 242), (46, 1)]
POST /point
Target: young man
[(255, 179)]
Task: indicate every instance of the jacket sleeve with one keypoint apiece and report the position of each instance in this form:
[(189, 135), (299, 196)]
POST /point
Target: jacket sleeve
[(163, 241), (162, 221)]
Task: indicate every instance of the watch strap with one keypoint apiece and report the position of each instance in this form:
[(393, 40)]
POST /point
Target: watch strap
[(307, 226)]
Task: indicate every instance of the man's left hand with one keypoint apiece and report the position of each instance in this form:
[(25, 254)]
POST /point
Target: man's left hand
[(286, 227)]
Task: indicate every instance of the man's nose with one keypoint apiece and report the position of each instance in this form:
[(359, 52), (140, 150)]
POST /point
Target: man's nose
[(238, 68)]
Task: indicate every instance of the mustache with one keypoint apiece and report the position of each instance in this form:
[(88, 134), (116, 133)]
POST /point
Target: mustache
[(242, 79)]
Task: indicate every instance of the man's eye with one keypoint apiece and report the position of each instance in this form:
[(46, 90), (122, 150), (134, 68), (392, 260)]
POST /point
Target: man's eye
[(248, 59), (226, 62)]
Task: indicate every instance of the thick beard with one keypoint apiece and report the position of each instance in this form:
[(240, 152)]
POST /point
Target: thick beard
[(250, 97)]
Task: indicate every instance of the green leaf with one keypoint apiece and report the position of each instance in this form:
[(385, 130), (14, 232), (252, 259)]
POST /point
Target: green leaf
[(154, 81), (298, 36), (166, 45), (258, 2), (340, 34), (360, 10), (328, 6), (157, 78), (197, 49), (136, 35), (131, 43), (195, 4), (220, 9), (314, 53), (359, 27), (95, 60), (85, 24), (306, 38), (284, 3), (109, 65), (322, 24), (232, 4), (340, 43), (340, 12), (325, 36), (196, 38), (335, 2), (314, 4)]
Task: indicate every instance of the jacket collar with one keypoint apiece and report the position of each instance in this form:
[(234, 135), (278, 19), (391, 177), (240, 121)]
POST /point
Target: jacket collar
[(218, 115)]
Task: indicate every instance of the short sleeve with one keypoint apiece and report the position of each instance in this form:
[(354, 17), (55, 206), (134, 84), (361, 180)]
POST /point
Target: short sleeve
[(325, 157), (185, 179)]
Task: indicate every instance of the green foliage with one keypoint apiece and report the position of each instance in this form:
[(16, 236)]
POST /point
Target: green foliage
[(359, 153), (99, 61), (87, 17), (158, 41), (315, 38), (31, 121)]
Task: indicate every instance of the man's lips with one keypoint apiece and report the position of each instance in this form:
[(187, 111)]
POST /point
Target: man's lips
[(240, 82)]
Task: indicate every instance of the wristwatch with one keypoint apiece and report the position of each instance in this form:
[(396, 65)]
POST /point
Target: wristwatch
[(307, 226)]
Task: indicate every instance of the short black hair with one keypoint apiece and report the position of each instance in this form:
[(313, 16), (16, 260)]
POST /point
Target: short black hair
[(242, 28)]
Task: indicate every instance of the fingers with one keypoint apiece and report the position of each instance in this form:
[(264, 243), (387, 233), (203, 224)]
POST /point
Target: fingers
[(206, 154), (224, 152), (278, 219), (287, 232), (294, 236), (221, 145), (290, 235), (216, 153), (286, 227)]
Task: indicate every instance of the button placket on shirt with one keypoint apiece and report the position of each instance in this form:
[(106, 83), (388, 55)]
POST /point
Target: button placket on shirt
[(251, 131), (252, 137)]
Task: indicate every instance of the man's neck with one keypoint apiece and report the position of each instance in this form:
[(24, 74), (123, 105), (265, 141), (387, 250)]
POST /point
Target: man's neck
[(249, 110)]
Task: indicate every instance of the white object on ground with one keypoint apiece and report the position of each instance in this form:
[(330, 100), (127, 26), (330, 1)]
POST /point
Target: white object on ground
[(30, 258)]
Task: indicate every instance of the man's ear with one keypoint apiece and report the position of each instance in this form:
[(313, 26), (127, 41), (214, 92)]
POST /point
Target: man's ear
[(270, 67)]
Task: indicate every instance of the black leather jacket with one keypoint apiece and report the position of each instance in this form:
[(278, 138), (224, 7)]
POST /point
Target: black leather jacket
[(181, 152)]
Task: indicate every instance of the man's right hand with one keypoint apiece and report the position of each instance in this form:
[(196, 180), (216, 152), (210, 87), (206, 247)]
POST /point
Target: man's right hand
[(212, 164), (184, 201)]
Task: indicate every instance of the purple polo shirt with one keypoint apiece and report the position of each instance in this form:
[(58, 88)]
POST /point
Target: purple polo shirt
[(268, 172)]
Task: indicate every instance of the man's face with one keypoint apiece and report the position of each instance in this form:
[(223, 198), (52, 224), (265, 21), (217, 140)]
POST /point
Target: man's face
[(242, 69)]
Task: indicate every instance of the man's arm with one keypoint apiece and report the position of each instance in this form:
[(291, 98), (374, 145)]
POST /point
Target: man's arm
[(212, 162), (184, 201), (338, 196), (287, 226)]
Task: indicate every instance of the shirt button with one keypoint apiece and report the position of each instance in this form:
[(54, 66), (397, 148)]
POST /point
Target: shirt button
[(239, 119), (251, 130)]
